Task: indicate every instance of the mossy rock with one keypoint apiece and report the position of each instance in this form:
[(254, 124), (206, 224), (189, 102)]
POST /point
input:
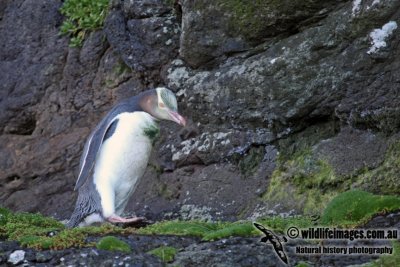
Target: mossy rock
[(261, 18), (251, 160), (387, 260), (165, 253), (40, 232), (304, 183), (356, 206), (384, 179), (112, 243)]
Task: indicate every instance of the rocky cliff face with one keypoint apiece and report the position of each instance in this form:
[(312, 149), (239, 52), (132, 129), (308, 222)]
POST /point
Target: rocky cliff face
[(291, 102)]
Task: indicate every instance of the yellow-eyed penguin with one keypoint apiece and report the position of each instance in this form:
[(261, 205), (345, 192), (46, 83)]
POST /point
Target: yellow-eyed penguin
[(116, 154)]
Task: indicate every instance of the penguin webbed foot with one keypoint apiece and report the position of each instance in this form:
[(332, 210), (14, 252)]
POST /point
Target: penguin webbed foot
[(128, 222)]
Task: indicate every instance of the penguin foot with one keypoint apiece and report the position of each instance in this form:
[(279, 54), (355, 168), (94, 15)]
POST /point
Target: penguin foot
[(117, 219)]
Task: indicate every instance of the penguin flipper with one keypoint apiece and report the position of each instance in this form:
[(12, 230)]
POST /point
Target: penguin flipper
[(92, 147)]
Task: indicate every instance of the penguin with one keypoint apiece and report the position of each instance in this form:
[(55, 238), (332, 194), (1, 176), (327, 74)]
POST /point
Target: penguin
[(116, 154)]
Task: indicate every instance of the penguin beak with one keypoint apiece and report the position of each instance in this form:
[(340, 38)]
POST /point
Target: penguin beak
[(176, 117)]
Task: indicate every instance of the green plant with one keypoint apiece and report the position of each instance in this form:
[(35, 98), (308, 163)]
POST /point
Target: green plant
[(302, 264), (387, 260), (40, 232), (190, 228), (213, 231), (82, 16), (112, 243), (355, 207), (308, 182), (165, 253), (234, 229)]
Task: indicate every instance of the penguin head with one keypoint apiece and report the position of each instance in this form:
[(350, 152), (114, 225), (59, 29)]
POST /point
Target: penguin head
[(163, 106)]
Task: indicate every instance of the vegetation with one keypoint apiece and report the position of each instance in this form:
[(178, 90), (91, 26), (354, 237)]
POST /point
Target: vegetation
[(249, 164), (39, 232), (387, 260), (311, 182), (355, 207), (112, 243), (385, 177), (165, 253), (82, 16), (36, 231), (214, 231)]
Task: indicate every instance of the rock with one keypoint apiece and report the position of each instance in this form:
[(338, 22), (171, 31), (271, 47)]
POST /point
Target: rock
[(288, 82), (346, 151), (389, 220), (49, 103), (144, 33), (29, 70), (42, 257), (16, 257), (222, 28), (180, 194), (258, 94)]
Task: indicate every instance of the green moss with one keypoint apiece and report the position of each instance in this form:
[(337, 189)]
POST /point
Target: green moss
[(300, 143), (385, 178), (246, 17), (302, 264), (355, 207), (387, 260), (255, 18), (32, 230), (165, 192), (238, 229), (308, 182), (112, 243), (4, 213), (250, 162), (190, 228), (165, 253), (218, 230), (169, 2), (280, 224), (81, 17), (120, 68)]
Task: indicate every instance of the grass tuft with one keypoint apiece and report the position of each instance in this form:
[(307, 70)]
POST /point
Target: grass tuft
[(165, 253), (40, 232), (355, 207), (112, 243), (387, 260), (82, 16)]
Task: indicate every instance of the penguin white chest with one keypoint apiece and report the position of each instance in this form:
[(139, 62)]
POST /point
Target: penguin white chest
[(122, 160)]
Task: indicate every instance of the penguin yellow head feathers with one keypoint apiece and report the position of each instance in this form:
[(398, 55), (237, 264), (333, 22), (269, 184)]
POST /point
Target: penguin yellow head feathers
[(162, 105)]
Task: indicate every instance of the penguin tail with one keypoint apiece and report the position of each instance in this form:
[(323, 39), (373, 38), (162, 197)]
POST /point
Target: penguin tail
[(74, 221)]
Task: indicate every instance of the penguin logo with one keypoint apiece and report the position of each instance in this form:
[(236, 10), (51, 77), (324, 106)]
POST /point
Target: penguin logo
[(275, 240)]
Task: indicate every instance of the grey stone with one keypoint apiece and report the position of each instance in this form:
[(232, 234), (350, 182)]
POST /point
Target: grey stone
[(352, 150), (16, 257), (145, 35)]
